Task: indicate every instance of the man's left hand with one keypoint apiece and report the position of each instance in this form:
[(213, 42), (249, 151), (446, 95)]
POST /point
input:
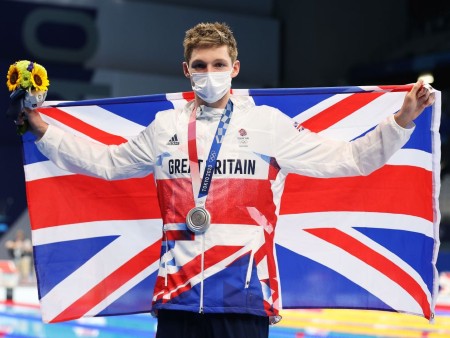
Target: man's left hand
[(421, 96)]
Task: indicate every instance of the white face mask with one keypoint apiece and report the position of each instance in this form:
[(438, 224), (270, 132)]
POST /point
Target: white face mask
[(211, 86)]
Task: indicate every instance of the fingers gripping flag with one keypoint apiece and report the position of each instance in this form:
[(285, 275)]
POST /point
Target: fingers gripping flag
[(357, 242)]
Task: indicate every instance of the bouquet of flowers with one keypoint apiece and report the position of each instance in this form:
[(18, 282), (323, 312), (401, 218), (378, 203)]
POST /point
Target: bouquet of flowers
[(28, 83)]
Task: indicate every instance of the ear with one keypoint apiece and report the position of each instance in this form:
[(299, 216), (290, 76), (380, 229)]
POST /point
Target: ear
[(236, 68), (186, 70)]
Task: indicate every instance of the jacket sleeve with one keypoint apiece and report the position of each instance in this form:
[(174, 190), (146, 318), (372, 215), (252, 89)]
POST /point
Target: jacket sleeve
[(307, 153), (134, 158)]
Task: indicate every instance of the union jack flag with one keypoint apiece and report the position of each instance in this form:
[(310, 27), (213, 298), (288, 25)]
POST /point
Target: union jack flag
[(359, 242)]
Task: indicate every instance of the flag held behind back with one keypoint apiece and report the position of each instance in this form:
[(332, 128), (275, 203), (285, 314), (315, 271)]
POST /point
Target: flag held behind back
[(341, 243)]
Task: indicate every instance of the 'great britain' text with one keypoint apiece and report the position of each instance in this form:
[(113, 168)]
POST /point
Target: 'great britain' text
[(223, 167)]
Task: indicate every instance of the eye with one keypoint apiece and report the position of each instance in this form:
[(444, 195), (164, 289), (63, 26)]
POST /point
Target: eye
[(198, 65), (220, 65)]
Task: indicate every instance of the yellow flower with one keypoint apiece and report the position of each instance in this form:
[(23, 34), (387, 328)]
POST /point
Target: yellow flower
[(14, 78), (25, 73), (39, 78)]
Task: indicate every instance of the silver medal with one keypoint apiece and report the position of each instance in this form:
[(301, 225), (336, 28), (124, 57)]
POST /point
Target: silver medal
[(198, 220)]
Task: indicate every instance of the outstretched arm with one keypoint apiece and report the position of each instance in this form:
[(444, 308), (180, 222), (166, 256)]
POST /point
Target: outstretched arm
[(130, 159), (311, 154)]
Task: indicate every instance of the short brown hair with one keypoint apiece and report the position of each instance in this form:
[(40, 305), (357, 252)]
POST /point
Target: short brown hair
[(206, 35)]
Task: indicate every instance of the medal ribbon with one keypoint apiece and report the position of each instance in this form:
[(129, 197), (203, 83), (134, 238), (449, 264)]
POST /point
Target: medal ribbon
[(201, 190)]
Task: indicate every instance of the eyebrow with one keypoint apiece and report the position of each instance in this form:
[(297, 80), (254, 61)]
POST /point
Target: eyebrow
[(216, 60)]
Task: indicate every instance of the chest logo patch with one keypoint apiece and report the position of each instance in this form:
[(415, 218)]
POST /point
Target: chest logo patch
[(243, 138), (173, 141)]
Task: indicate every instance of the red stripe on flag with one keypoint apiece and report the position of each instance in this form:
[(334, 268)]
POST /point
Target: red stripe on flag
[(387, 190), (79, 199), (111, 283), (397, 88), (377, 261), (339, 111), (82, 127), (188, 96)]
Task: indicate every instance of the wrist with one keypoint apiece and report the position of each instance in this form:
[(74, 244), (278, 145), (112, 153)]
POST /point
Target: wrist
[(401, 120), (39, 130)]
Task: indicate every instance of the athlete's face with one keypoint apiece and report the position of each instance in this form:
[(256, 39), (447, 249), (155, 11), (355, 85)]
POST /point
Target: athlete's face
[(215, 59)]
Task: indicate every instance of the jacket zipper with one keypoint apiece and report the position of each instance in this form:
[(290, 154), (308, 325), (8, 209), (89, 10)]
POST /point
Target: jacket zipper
[(165, 259), (249, 269), (202, 268)]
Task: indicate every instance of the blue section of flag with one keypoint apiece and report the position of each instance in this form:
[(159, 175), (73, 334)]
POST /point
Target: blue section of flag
[(305, 91), (291, 105), (115, 100), (31, 153), (54, 262), (142, 113), (308, 284), (144, 107), (420, 138), (409, 246), (133, 299)]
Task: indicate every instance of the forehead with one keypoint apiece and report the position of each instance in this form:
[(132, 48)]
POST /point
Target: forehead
[(208, 54)]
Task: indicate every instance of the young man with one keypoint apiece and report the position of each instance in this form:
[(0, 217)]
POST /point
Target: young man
[(218, 274)]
